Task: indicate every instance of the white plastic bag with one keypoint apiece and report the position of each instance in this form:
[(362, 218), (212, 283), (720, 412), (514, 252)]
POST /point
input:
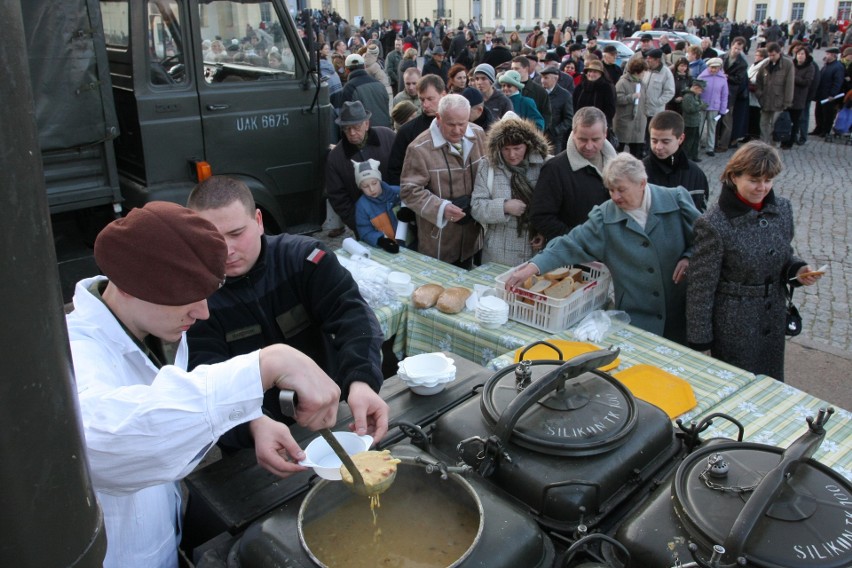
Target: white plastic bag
[(597, 324)]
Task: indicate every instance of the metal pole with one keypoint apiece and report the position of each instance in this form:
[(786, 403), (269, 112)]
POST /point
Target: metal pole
[(51, 516)]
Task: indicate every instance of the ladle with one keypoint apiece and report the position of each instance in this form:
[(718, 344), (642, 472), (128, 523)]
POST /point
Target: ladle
[(288, 400), (383, 485)]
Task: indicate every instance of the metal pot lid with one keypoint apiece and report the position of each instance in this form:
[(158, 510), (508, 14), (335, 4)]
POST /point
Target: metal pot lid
[(806, 523), (585, 415)]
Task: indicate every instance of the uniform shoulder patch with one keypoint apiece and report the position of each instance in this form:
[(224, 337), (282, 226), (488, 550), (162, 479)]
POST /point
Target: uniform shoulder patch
[(316, 256)]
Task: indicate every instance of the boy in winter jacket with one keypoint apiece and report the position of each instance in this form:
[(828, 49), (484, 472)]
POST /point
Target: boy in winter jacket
[(374, 216), (693, 107), (716, 96)]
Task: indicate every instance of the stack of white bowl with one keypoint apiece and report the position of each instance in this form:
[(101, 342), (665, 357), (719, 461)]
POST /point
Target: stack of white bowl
[(492, 312), (427, 373)]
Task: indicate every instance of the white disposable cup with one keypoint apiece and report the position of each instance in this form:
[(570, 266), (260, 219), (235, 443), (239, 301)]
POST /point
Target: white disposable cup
[(399, 280)]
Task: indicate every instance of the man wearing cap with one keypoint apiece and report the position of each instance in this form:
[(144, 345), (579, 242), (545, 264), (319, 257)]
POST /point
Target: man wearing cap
[(659, 87), (410, 77), (479, 115), (562, 107), (592, 47), (360, 142), (360, 86), (495, 101), (521, 64), (774, 89), (437, 64), (286, 289), (613, 70), (431, 89), (571, 183), (147, 421), (575, 54), (645, 44), (830, 85), (437, 182)]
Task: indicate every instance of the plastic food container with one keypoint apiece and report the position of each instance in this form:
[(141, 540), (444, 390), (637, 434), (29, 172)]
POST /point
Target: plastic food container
[(323, 460)]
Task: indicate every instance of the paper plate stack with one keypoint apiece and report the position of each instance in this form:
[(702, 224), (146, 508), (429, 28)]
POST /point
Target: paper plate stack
[(427, 373), (492, 312)]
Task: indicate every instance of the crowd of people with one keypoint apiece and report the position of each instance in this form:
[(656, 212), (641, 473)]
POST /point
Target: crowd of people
[(494, 149)]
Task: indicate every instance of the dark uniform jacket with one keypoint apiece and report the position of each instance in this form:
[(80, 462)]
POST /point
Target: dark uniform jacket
[(539, 96), (360, 86), (404, 136), (297, 294), (562, 108)]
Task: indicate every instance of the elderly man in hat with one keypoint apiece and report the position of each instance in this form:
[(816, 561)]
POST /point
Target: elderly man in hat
[(830, 85), (360, 86), (437, 64), (562, 107), (496, 102), (361, 141), (658, 84), (147, 421)]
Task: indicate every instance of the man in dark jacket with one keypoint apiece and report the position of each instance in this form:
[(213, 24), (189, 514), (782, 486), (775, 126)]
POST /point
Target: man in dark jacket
[(610, 54), (571, 184), (360, 142), (562, 107), (667, 164), (830, 85), (286, 289), (437, 64), (496, 102), (360, 86), (735, 66), (457, 45), (533, 90), (498, 55), (431, 89)]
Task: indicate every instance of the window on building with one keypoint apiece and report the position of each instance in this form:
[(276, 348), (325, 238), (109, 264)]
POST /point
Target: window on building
[(498, 8), (537, 9), (798, 11), (554, 9), (844, 10), (760, 12), (518, 9)]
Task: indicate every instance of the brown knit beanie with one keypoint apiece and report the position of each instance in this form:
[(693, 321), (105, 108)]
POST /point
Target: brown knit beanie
[(402, 111), (164, 254)]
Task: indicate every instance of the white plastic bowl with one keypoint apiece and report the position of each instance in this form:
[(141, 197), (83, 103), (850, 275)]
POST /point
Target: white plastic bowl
[(323, 460), (427, 391), (426, 365)]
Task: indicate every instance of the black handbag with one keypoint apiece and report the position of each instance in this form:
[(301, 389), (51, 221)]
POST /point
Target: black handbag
[(793, 323), (463, 203)]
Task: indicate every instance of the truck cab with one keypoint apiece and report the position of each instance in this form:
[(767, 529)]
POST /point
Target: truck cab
[(224, 83)]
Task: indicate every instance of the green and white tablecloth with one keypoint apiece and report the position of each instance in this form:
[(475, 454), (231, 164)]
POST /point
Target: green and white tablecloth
[(774, 413)]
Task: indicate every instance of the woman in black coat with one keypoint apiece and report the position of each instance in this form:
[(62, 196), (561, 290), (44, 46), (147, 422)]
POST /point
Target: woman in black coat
[(596, 90), (804, 75), (742, 261)]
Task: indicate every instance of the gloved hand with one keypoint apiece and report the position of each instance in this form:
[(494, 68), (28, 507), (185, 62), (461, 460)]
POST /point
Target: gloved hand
[(388, 245), (406, 215)]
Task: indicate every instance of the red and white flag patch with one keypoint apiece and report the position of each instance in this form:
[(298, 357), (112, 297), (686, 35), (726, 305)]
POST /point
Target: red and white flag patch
[(316, 256)]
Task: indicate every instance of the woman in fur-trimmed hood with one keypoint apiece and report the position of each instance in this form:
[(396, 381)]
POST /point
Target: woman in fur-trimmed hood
[(516, 151)]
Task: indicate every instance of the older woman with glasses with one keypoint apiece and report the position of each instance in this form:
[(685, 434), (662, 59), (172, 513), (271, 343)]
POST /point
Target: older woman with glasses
[(644, 236)]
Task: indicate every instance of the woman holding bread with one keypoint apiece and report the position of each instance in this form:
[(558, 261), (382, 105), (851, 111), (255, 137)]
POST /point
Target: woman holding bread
[(503, 189), (644, 236), (743, 262)]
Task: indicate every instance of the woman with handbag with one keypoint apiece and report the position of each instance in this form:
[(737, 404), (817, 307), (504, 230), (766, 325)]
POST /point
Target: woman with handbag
[(742, 263)]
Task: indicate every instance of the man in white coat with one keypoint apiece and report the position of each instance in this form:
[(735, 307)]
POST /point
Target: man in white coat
[(147, 421)]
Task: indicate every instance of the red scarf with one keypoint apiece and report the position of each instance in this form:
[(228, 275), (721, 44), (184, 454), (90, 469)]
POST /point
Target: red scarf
[(755, 206)]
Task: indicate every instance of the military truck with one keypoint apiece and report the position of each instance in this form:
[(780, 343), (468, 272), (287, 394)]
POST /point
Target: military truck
[(136, 100)]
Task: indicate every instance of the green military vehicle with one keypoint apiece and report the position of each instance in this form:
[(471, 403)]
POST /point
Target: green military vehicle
[(135, 99)]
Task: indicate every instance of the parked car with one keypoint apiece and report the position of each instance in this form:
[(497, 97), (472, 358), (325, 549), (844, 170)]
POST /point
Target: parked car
[(673, 36), (624, 52)]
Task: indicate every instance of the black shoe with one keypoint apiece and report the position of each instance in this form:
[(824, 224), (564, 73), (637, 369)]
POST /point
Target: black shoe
[(711, 154), (786, 146), (816, 133), (696, 160), (733, 146), (334, 233), (801, 141)]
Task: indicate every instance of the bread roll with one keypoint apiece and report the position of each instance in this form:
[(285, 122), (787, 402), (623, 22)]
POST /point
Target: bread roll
[(576, 274), (540, 286), (451, 300), (426, 296)]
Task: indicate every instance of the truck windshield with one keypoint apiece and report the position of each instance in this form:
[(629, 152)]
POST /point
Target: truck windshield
[(244, 40)]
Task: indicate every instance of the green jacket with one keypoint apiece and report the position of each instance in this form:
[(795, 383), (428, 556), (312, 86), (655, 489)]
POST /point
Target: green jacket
[(692, 107)]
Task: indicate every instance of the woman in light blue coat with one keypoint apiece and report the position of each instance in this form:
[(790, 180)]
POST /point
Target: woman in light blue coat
[(644, 236)]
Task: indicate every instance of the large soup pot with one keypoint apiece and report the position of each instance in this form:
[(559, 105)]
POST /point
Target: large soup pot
[(732, 504), (463, 522), (565, 439)]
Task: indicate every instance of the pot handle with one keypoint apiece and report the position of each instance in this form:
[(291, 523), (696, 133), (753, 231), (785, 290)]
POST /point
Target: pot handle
[(542, 342), (555, 379)]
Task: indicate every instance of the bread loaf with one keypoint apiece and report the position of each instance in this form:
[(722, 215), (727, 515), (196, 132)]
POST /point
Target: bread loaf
[(576, 274), (540, 286), (451, 300), (426, 296)]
